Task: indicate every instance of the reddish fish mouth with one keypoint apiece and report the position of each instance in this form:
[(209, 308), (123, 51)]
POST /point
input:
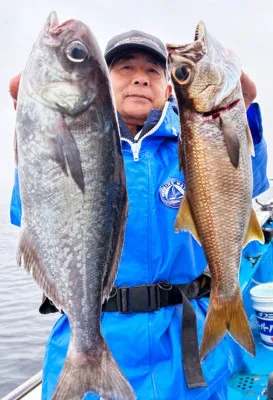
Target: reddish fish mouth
[(217, 111)]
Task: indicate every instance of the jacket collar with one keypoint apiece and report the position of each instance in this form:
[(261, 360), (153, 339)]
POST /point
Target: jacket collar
[(159, 123)]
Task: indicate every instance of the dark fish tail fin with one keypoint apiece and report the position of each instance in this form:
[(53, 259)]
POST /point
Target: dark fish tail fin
[(231, 317), (95, 372)]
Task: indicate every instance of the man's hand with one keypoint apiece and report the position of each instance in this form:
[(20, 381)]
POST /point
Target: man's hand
[(248, 88), (14, 87)]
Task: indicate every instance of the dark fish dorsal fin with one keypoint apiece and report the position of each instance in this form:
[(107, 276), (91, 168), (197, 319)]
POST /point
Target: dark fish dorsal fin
[(111, 272), (66, 153), (232, 140)]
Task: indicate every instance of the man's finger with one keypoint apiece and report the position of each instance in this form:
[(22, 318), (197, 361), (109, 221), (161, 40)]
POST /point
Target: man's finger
[(14, 87), (248, 88)]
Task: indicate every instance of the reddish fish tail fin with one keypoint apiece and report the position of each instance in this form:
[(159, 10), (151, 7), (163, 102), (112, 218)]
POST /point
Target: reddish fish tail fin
[(97, 373), (229, 317)]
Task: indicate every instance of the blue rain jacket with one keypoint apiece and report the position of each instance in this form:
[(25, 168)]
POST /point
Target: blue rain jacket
[(147, 346)]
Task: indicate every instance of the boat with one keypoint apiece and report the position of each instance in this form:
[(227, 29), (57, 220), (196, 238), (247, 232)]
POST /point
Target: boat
[(29, 390), (250, 378)]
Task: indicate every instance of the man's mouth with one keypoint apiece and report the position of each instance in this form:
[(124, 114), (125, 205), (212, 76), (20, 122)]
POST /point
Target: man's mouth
[(140, 96)]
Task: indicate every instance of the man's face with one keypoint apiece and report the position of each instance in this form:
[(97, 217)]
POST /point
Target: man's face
[(140, 84)]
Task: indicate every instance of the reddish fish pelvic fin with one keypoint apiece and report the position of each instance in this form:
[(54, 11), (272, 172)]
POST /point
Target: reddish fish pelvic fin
[(95, 372), (231, 317)]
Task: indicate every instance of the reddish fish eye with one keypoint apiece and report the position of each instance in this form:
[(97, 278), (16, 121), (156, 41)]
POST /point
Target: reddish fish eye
[(76, 51), (182, 74)]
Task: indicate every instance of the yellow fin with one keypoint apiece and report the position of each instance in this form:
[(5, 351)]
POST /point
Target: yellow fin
[(227, 317), (254, 231), (250, 141), (184, 220)]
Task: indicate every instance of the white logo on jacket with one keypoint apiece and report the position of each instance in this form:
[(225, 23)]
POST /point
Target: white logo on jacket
[(172, 192)]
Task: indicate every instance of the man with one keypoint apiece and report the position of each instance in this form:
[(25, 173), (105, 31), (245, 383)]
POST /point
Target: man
[(147, 344)]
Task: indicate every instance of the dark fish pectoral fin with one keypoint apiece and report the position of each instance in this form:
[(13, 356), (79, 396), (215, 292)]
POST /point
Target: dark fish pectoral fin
[(27, 255), (59, 156), (225, 317), (254, 231), (97, 373), (232, 141), (66, 151), (184, 220)]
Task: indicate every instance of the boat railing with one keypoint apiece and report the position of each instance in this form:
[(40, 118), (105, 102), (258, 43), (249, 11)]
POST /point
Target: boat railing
[(25, 388)]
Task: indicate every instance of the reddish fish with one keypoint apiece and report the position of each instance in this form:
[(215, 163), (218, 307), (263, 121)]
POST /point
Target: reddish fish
[(215, 155)]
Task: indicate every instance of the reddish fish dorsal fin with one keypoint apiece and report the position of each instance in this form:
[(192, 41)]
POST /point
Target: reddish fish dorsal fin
[(232, 141), (28, 256), (254, 231), (250, 141), (184, 220), (66, 152)]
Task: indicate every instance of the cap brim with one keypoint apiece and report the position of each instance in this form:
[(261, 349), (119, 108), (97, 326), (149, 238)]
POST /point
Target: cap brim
[(132, 46)]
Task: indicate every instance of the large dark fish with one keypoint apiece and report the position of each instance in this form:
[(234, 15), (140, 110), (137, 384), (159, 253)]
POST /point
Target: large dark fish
[(74, 199), (215, 155)]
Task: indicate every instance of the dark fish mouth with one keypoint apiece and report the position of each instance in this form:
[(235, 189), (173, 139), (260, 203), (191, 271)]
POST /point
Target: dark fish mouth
[(57, 29), (217, 111)]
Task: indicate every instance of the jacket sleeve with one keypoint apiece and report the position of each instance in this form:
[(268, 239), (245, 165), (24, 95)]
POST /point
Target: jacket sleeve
[(15, 205), (259, 162)]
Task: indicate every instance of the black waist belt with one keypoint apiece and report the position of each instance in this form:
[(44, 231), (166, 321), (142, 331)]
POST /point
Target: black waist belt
[(148, 298)]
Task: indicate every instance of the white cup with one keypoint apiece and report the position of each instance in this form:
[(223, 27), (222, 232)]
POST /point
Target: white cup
[(262, 296)]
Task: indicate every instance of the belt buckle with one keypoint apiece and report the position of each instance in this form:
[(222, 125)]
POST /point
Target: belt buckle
[(154, 294), (122, 300)]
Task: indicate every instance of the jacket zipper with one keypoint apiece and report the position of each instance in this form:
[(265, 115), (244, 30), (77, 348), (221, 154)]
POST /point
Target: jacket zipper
[(136, 146)]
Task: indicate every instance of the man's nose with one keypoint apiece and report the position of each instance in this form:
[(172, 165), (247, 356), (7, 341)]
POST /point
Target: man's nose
[(141, 80)]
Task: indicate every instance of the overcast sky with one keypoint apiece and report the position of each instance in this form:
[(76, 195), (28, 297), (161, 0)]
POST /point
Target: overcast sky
[(246, 26)]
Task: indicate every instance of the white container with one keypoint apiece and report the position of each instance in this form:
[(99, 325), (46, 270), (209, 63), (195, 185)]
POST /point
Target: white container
[(262, 296)]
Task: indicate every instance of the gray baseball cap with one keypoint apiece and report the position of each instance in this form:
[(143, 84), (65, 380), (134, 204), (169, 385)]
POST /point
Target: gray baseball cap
[(134, 39)]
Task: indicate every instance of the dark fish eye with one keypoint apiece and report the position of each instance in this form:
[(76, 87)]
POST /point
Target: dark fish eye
[(182, 74), (76, 51)]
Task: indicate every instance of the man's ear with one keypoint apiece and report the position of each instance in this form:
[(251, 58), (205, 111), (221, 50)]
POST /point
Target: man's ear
[(169, 90)]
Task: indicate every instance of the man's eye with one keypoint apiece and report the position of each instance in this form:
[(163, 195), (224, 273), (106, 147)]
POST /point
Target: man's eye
[(154, 71), (127, 67)]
